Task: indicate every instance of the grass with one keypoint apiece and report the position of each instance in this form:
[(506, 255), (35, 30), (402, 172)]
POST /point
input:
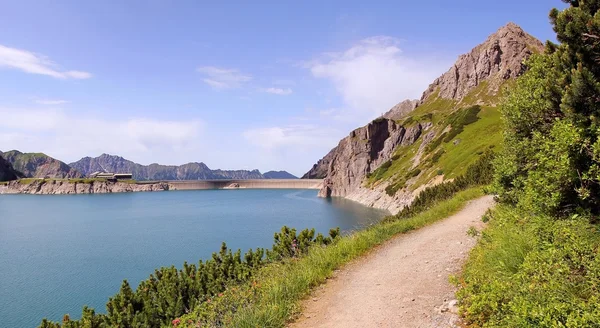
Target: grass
[(277, 298), (26, 181), (532, 271), (475, 138), (478, 130)]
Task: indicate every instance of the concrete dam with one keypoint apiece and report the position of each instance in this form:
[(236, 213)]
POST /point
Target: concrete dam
[(246, 184)]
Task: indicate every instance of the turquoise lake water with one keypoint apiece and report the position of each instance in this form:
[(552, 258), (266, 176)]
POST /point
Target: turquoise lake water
[(58, 253)]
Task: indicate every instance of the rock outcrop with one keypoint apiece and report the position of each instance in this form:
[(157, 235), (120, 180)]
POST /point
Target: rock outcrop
[(360, 153), (498, 59), (54, 187), (346, 166), (7, 172), (155, 172), (39, 165), (401, 110)]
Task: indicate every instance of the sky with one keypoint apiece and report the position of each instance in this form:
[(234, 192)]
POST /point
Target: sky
[(268, 85)]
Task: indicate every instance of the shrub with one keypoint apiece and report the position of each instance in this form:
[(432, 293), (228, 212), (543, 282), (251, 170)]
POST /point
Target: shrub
[(478, 174), (436, 157), (460, 119), (533, 271), (413, 173), (169, 293), (435, 143)]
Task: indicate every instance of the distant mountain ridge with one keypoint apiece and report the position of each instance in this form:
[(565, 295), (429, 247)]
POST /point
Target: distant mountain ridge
[(189, 171), (7, 172), (279, 175), (39, 165), (15, 164)]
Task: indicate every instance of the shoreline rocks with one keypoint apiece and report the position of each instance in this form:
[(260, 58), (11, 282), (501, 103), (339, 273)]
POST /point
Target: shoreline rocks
[(56, 187)]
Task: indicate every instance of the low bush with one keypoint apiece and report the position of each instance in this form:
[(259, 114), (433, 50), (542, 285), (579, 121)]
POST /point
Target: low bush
[(435, 143), (460, 119), (380, 171), (436, 157), (533, 271), (169, 293)]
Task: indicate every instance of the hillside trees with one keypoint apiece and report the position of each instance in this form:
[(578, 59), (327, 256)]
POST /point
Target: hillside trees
[(550, 162)]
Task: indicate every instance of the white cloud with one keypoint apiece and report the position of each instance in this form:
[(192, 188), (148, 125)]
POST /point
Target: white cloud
[(373, 75), (278, 91), (223, 78), (51, 102), (33, 63), (301, 135), (69, 138)]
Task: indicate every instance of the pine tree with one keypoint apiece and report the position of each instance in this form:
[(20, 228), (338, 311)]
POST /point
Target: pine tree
[(552, 152)]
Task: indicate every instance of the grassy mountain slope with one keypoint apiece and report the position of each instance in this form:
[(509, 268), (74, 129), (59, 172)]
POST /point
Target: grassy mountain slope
[(39, 165)]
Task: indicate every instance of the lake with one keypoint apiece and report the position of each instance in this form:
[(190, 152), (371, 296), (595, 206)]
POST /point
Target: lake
[(58, 253)]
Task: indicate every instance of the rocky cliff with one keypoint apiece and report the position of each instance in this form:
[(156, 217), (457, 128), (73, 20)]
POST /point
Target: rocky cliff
[(401, 110), (39, 165), (364, 150), (57, 187), (153, 172), (386, 163), (497, 59), (7, 172)]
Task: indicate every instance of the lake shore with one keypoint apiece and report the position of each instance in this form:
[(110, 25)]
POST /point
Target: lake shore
[(93, 186)]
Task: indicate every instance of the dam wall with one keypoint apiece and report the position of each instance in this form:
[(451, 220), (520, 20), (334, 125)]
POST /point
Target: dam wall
[(246, 184)]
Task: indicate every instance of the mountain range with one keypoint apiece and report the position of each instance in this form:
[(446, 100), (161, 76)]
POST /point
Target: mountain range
[(426, 141), (14, 164)]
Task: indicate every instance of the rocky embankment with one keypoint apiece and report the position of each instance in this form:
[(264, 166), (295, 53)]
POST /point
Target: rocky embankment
[(54, 187)]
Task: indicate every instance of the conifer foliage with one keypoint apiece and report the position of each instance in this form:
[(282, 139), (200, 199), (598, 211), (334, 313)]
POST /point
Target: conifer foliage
[(170, 292), (551, 159)]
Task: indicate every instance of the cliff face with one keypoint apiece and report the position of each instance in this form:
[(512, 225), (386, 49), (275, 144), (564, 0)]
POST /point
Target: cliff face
[(499, 58), (38, 165), (7, 172), (411, 168), (190, 171), (53, 187), (360, 153)]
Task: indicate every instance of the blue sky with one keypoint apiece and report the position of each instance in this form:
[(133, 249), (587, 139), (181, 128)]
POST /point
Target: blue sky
[(264, 84)]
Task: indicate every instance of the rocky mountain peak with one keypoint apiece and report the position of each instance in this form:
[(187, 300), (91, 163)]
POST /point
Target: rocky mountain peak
[(499, 58)]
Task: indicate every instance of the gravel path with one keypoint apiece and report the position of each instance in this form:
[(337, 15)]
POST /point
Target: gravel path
[(403, 283)]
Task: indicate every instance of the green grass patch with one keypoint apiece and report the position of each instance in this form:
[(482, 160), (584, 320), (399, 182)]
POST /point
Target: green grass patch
[(274, 295), (459, 119), (533, 271), (476, 138), (26, 181)]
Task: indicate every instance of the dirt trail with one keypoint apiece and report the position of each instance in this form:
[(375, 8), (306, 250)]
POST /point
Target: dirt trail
[(403, 283)]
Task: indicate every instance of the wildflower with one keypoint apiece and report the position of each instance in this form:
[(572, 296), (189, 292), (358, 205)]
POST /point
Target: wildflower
[(220, 294), (175, 322)]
